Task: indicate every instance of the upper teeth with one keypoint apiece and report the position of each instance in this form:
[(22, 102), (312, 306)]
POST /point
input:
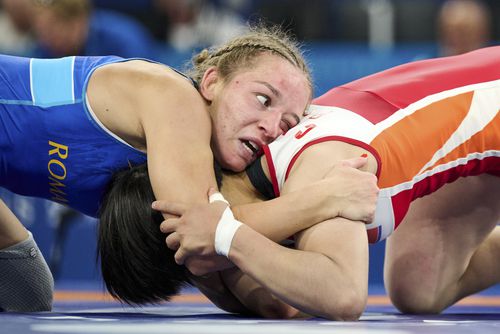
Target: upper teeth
[(252, 145)]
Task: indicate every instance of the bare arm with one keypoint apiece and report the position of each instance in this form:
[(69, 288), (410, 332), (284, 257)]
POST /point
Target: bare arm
[(257, 298), (214, 288), (342, 190), (180, 160), (172, 117), (282, 217), (157, 110), (325, 276), (166, 116)]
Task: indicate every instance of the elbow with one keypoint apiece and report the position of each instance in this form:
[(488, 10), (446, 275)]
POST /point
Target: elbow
[(351, 312), (349, 307)]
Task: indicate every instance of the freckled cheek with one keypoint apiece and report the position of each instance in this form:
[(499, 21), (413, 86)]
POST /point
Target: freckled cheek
[(224, 138), (221, 148), (229, 133), (231, 124)]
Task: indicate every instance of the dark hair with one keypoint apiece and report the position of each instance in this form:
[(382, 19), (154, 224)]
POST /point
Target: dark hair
[(136, 264)]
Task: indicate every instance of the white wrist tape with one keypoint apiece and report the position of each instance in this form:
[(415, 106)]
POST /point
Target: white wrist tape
[(226, 228), (225, 231), (217, 197)]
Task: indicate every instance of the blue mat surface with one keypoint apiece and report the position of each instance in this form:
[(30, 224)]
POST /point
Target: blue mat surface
[(201, 317)]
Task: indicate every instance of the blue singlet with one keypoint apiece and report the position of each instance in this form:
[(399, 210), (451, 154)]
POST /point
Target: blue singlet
[(51, 146)]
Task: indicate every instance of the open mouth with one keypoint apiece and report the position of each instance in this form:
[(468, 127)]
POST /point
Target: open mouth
[(253, 147)]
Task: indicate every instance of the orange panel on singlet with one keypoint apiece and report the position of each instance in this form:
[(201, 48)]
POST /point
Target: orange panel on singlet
[(485, 140), (419, 129)]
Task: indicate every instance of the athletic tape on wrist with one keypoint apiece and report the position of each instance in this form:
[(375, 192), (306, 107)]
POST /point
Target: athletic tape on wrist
[(225, 231), (217, 197)]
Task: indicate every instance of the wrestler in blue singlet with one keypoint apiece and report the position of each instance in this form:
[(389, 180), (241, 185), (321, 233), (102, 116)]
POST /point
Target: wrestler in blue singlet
[(51, 144)]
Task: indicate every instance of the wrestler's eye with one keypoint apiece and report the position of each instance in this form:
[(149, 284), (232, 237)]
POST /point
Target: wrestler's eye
[(264, 100)]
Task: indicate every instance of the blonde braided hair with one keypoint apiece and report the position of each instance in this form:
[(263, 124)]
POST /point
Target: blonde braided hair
[(241, 52)]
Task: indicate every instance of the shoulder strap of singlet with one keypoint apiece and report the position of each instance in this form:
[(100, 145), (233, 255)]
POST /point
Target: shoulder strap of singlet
[(195, 84), (259, 180)]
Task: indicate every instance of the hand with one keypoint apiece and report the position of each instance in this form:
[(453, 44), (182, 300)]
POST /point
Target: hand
[(351, 191), (193, 233)]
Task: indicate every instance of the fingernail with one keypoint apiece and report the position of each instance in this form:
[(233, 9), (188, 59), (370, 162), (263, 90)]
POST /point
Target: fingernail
[(153, 205), (364, 155)]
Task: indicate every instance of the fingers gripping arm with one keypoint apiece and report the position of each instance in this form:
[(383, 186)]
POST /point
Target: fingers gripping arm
[(325, 276), (337, 189)]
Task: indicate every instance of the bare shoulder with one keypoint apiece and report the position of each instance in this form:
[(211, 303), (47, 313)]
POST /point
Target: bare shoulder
[(135, 78), (130, 97)]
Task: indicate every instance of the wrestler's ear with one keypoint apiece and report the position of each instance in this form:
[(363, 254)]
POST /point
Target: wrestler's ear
[(208, 84)]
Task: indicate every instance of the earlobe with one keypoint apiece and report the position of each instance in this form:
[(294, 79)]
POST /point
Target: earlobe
[(208, 83)]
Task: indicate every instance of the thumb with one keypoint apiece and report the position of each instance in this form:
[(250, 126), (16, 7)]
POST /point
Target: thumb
[(214, 195), (357, 162), (212, 191)]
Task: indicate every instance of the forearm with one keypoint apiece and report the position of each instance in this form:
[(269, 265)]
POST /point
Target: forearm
[(310, 199), (284, 216), (236, 292), (214, 288), (257, 298), (309, 281)]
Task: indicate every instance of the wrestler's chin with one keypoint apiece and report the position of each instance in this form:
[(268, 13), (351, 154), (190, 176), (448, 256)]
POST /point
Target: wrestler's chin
[(235, 163)]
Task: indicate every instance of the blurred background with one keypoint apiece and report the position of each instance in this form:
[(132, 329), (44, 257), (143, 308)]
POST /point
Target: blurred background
[(343, 39)]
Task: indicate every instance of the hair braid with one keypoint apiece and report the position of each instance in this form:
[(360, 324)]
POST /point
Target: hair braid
[(242, 51)]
